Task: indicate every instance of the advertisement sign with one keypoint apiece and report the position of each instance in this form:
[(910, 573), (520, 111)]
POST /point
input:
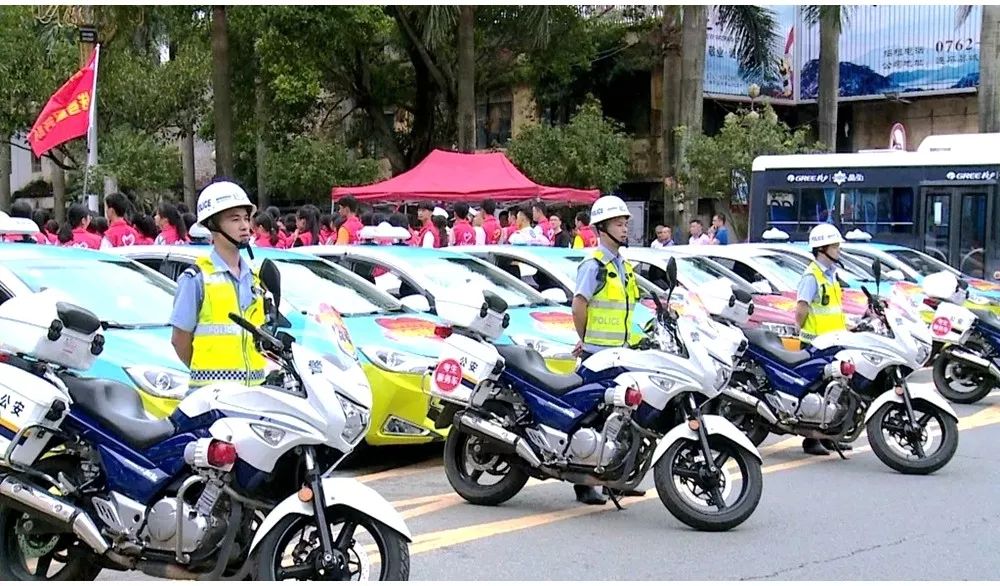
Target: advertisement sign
[(897, 49), (722, 72)]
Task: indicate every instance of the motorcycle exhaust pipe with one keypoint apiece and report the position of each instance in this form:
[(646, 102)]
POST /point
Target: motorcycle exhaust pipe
[(974, 360), (26, 497), (473, 423), (748, 399)]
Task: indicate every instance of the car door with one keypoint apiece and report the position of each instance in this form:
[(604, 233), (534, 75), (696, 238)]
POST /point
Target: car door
[(748, 273)]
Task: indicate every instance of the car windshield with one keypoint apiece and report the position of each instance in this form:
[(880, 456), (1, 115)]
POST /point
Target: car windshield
[(786, 269), (920, 262), (462, 273), (570, 263), (308, 283), (120, 292), (698, 271)]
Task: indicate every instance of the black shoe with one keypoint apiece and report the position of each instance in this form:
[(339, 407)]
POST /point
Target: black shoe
[(814, 447), (633, 492), (828, 444), (589, 495)]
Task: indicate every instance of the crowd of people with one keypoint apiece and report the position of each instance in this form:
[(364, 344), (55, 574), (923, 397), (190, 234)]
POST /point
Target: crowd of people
[(432, 226)]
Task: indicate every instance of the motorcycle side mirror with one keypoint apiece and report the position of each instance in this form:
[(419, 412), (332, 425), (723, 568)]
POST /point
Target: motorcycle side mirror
[(271, 278), (671, 273), (877, 270)]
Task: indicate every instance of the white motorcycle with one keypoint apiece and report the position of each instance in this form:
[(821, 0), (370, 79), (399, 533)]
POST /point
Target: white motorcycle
[(620, 414), (230, 486)]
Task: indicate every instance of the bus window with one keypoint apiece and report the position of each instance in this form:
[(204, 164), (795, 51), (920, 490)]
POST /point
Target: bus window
[(815, 207), (781, 209), (878, 211)]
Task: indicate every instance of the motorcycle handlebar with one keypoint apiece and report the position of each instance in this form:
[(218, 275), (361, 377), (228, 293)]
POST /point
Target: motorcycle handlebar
[(258, 333)]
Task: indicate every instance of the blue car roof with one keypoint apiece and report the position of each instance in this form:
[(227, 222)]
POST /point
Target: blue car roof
[(17, 251)]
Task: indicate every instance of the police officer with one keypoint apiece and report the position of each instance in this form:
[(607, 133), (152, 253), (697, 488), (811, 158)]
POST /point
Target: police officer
[(819, 308), (221, 282), (606, 292)]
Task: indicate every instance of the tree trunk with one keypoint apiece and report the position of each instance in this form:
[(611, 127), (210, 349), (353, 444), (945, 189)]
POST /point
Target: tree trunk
[(694, 39), (221, 94), (260, 114), (989, 61), (670, 31), (466, 79), (5, 168), (187, 164), (829, 77), (58, 190)]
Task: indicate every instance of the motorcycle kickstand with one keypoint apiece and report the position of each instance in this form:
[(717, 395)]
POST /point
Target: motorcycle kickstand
[(614, 499), (836, 446)]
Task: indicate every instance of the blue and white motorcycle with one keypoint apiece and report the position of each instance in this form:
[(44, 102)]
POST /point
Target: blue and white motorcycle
[(231, 486), (620, 414)]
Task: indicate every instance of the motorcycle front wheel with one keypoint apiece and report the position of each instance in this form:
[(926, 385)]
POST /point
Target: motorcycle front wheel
[(913, 447), (365, 550), (701, 499)]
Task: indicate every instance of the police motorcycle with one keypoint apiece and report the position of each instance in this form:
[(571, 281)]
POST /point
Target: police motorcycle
[(848, 382), (231, 486), (622, 413), (966, 354)]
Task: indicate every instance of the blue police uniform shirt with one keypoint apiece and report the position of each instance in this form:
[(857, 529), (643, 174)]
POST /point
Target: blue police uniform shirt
[(191, 292)]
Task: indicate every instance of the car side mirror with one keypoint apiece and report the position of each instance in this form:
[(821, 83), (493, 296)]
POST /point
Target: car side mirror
[(416, 302), (555, 294)]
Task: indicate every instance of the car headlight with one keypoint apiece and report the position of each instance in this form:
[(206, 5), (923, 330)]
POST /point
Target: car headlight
[(782, 330), (356, 420), (165, 383), (546, 348), (396, 360)]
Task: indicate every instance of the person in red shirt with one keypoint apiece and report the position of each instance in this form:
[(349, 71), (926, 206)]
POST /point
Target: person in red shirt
[(22, 209), (51, 231), (586, 237), (171, 224), (490, 223), (429, 236), (539, 214), (348, 232), (462, 229), (265, 231), (327, 232), (74, 232), (145, 227), (119, 233), (306, 227)]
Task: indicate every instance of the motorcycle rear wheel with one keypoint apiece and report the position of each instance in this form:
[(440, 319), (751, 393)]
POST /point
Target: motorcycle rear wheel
[(960, 383), (467, 460)]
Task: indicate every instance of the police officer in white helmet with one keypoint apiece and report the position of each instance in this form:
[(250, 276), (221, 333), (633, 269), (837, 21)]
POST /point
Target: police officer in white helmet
[(604, 299)]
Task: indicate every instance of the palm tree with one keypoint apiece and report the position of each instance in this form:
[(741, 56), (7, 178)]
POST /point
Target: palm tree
[(466, 110), (221, 93), (989, 59), (830, 19), (755, 30)]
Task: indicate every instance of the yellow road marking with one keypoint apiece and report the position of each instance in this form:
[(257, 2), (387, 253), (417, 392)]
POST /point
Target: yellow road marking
[(399, 472), (450, 537)]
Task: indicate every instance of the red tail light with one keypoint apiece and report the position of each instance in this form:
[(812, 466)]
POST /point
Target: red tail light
[(847, 368), (442, 331), (633, 397), (221, 454), (931, 302)]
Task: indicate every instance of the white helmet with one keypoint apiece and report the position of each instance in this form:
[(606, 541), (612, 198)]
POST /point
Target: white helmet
[(824, 235), (220, 196), (608, 207), (942, 285)]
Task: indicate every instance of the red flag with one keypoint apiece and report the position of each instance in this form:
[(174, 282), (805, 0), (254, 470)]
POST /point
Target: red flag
[(67, 114)]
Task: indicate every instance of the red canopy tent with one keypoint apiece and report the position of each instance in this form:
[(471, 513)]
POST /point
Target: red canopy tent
[(451, 177)]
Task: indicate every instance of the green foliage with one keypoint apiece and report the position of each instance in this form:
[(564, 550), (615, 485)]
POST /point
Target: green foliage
[(713, 161), (139, 161), (589, 152), (309, 168)]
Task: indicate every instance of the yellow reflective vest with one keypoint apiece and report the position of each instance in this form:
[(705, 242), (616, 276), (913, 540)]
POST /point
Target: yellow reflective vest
[(609, 312), (223, 351), (826, 310)]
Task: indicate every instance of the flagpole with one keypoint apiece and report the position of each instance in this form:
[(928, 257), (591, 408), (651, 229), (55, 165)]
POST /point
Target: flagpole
[(92, 134)]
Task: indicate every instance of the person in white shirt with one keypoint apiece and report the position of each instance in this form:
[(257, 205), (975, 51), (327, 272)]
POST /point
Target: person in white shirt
[(526, 234), (698, 235), (477, 226), (664, 237)]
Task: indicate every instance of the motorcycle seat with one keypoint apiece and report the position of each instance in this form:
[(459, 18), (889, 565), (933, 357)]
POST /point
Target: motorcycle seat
[(530, 365), (770, 343), (118, 408)]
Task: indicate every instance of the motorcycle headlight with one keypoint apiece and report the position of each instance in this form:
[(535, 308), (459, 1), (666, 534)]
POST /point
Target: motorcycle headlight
[(397, 361), (546, 348), (165, 383), (782, 330), (722, 374), (356, 420)]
